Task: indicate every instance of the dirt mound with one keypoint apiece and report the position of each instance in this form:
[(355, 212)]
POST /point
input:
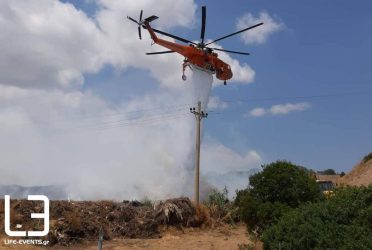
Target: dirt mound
[(72, 222), (360, 175)]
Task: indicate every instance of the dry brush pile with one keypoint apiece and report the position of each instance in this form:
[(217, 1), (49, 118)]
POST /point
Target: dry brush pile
[(72, 222)]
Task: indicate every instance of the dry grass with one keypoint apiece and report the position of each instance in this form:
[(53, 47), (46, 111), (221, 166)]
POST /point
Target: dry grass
[(360, 175), (15, 217), (74, 220), (202, 216), (2, 207)]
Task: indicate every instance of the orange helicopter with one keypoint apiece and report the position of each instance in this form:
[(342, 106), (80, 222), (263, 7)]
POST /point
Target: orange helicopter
[(196, 54)]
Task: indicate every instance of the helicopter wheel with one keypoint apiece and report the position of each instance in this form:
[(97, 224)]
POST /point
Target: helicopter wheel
[(184, 77)]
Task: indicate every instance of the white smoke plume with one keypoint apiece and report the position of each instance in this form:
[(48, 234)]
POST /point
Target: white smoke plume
[(78, 141), (55, 131)]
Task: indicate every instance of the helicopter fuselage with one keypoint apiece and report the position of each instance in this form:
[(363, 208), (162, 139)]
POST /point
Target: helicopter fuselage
[(202, 58)]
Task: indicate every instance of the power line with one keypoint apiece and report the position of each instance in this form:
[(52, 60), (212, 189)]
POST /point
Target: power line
[(297, 97), (174, 112), (126, 123)]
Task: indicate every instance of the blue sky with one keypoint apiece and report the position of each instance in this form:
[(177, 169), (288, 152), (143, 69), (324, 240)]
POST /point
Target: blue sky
[(323, 54)]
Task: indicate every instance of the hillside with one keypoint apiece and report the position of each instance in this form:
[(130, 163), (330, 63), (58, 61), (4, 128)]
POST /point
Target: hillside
[(361, 174), (53, 192)]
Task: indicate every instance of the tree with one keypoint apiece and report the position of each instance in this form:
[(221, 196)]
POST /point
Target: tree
[(342, 222), (278, 188), (367, 158), (284, 182)]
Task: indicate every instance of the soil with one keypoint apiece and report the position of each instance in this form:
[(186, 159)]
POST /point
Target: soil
[(223, 237), (360, 175)]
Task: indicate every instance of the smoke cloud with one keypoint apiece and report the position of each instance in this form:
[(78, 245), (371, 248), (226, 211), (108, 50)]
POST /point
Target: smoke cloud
[(96, 152), (54, 130)]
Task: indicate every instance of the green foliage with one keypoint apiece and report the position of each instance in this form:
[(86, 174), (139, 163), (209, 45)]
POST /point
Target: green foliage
[(258, 214), (218, 202), (342, 174), (328, 171), (284, 182), (342, 222), (278, 188), (367, 157)]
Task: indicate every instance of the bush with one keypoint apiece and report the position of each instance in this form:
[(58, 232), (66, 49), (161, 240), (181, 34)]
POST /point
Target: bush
[(342, 222), (329, 171), (218, 203), (367, 157), (278, 188)]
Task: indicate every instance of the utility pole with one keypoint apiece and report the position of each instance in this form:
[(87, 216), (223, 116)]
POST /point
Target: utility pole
[(100, 239), (199, 115)]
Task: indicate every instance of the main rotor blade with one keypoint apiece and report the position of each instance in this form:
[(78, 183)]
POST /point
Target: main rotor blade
[(160, 52), (235, 33), (173, 36), (139, 32), (231, 51), (151, 18), (132, 19), (204, 15)]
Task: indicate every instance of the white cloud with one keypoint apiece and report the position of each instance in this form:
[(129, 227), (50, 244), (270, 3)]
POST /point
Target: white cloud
[(242, 73), (53, 44), (279, 109), (283, 109), (216, 103), (260, 34), (257, 112), (170, 14), (124, 49), (46, 43)]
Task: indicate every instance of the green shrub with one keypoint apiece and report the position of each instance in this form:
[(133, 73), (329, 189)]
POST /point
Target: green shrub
[(329, 171), (367, 157), (342, 222), (218, 202), (278, 188)]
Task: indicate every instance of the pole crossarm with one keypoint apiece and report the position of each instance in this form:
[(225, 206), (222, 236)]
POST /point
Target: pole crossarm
[(198, 115)]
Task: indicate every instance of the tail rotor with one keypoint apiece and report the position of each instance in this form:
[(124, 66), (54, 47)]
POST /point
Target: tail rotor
[(142, 22)]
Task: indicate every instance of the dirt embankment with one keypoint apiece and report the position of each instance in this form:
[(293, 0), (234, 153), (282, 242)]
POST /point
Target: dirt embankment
[(360, 175)]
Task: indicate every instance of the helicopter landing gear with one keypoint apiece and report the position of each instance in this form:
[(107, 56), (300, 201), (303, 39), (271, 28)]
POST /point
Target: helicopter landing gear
[(184, 65), (224, 83)]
